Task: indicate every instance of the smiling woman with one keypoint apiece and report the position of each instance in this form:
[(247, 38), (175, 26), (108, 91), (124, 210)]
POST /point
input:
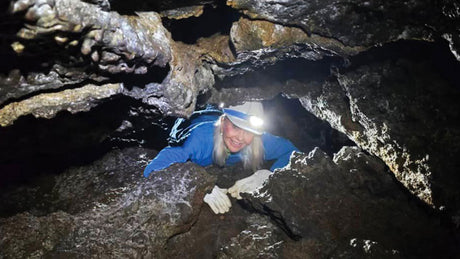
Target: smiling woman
[(236, 136), (239, 130)]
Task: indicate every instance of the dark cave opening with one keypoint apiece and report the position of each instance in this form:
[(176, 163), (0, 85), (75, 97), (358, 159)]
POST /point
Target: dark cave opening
[(130, 7), (216, 19), (287, 118), (37, 147)]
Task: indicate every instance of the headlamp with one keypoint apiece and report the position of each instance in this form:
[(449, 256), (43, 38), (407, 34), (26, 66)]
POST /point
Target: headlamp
[(256, 122)]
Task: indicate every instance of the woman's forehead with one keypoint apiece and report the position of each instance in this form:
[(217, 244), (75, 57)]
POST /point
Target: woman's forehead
[(227, 120)]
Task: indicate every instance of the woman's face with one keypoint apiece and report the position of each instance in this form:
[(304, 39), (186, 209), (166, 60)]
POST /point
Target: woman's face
[(235, 138)]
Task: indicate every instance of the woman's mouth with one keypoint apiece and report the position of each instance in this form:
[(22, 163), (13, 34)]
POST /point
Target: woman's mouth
[(236, 143)]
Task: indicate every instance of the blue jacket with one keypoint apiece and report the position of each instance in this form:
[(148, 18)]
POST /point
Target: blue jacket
[(199, 144)]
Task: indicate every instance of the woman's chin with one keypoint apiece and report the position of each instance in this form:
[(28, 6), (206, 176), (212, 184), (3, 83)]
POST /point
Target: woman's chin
[(233, 149)]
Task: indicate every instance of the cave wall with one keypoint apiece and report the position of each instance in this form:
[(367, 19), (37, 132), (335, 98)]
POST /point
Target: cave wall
[(103, 74)]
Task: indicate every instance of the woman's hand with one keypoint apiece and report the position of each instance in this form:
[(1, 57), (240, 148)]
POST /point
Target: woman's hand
[(218, 200), (249, 184)]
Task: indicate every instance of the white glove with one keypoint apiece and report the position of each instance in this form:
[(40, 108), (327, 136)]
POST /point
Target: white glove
[(218, 200), (249, 184)]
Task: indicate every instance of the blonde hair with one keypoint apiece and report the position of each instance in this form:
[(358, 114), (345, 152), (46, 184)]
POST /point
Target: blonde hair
[(252, 155)]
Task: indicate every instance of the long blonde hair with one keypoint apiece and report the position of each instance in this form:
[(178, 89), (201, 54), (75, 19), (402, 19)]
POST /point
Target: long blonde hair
[(252, 155)]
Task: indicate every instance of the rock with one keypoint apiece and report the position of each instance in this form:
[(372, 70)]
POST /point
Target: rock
[(261, 239), (353, 23), (110, 209), (29, 236), (84, 41), (336, 205), (75, 56), (407, 121), (48, 105)]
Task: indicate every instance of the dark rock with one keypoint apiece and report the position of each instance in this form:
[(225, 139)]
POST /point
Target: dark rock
[(70, 55), (404, 113), (84, 41), (354, 23), (338, 205), (28, 236), (261, 239), (210, 234), (111, 210)]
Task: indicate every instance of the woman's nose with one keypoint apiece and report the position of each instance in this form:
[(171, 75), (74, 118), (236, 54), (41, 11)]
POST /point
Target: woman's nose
[(240, 135)]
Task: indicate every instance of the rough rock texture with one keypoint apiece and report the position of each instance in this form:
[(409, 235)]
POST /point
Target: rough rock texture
[(409, 123), (127, 41), (260, 239), (110, 44), (248, 35), (47, 105), (82, 41), (72, 55), (109, 209), (336, 205), (260, 43), (348, 207), (355, 23)]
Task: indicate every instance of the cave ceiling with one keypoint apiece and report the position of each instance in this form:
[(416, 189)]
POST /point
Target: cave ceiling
[(170, 56), (66, 44)]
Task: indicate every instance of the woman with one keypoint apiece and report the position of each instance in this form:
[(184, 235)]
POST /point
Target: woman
[(237, 135)]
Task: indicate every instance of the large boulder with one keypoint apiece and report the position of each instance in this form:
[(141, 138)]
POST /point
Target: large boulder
[(403, 112), (109, 209), (348, 206)]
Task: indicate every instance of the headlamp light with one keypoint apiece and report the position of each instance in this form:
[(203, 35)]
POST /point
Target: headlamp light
[(256, 122)]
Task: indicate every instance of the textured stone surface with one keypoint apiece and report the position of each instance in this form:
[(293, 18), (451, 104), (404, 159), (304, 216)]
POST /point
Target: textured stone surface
[(250, 35), (124, 38), (346, 207), (15, 85), (261, 239), (47, 105), (184, 12), (109, 209), (335, 205), (355, 23), (95, 43), (403, 113), (84, 43)]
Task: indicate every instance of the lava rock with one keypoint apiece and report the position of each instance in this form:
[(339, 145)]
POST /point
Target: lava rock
[(110, 209), (334, 205)]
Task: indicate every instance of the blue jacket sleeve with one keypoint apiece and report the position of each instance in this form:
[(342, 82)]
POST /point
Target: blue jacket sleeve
[(277, 148), (167, 157), (197, 148)]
